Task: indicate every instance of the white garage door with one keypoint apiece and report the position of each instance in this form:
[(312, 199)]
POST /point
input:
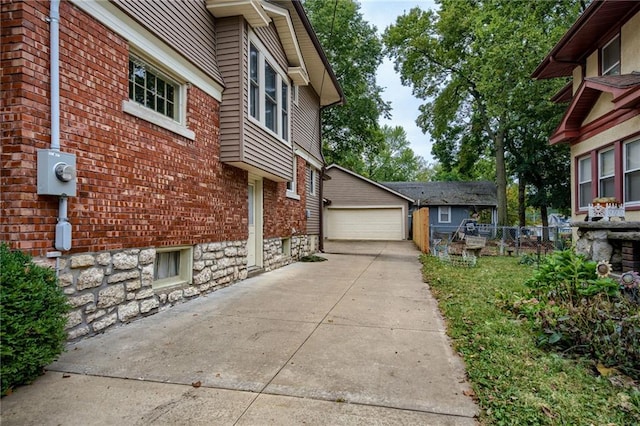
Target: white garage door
[(365, 224)]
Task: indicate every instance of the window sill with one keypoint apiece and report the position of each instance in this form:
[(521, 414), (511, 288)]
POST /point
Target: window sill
[(146, 114), (293, 195), (169, 283)]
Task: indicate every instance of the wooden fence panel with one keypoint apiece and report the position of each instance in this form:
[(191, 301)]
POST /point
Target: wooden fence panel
[(421, 229)]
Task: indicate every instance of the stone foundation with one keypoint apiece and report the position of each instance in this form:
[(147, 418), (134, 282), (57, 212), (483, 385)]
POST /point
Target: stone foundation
[(615, 242), (106, 289)]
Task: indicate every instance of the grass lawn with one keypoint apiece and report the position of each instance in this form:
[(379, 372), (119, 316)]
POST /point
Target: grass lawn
[(516, 382)]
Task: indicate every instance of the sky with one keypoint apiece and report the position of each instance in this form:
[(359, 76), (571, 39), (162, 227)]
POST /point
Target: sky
[(381, 14)]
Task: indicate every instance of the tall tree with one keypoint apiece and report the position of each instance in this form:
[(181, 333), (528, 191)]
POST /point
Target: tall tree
[(395, 161), (354, 50), (471, 61)]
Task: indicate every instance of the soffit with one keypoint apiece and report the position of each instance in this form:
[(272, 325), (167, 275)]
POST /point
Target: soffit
[(308, 63), (600, 19), (625, 90)]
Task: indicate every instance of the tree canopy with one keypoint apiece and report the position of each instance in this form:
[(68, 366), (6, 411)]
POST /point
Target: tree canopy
[(395, 161), (471, 63), (354, 50)]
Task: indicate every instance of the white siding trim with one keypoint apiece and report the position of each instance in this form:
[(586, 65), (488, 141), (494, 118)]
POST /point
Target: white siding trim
[(308, 158)]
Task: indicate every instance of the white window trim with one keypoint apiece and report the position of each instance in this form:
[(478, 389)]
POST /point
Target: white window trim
[(624, 174), (581, 182), (617, 64), (144, 113), (313, 177), (295, 94), (441, 210), (265, 56), (144, 41), (186, 268), (176, 125), (293, 192)]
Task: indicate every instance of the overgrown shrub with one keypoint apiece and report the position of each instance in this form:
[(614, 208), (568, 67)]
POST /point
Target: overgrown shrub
[(32, 318), (577, 312)]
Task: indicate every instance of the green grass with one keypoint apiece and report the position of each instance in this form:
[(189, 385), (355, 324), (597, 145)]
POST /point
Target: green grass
[(517, 383)]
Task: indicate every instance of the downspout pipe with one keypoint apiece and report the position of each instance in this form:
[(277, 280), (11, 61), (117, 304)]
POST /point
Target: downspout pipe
[(63, 228), (323, 172), (54, 63)]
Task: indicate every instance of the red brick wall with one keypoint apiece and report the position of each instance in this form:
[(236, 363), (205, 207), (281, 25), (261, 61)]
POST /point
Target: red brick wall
[(138, 185), (285, 216)]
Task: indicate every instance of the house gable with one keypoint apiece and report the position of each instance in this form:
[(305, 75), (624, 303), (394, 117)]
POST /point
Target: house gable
[(349, 188), (602, 121), (284, 43)]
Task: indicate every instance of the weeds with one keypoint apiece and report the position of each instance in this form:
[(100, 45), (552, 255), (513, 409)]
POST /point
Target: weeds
[(517, 381)]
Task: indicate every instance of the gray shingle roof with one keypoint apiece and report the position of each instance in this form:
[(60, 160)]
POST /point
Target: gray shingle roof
[(480, 193)]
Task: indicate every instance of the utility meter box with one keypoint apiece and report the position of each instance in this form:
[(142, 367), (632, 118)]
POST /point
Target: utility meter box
[(56, 173)]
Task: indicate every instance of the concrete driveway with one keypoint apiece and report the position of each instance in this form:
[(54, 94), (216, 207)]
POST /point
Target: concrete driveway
[(353, 340)]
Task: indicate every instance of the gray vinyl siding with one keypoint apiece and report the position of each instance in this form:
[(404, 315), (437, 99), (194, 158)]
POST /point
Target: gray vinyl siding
[(186, 26), (242, 140), (305, 130), (260, 148), (344, 189), (231, 54), (313, 203), (269, 37)]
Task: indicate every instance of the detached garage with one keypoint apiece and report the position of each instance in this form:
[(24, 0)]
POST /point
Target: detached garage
[(357, 208)]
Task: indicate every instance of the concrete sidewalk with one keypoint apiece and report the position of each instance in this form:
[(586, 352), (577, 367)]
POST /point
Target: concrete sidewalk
[(353, 340)]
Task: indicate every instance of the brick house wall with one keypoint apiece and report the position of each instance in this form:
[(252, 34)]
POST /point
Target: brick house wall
[(287, 215), (140, 187)]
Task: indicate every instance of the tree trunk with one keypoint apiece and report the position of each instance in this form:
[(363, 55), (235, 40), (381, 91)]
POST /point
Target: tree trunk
[(501, 177), (544, 215), (522, 208)]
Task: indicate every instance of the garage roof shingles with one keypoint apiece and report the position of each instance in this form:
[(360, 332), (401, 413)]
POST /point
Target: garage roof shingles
[(480, 193)]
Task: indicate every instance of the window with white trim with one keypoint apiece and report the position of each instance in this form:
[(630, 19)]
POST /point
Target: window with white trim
[(152, 89), (268, 92), (292, 184), (606, 173), (312, 180), (156, 97), (172, 267), (610, 57), (584, 182), (632, 172), (444, 214)]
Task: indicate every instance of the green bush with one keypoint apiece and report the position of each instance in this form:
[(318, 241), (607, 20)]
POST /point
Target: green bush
[(577, 312), (32, 318)]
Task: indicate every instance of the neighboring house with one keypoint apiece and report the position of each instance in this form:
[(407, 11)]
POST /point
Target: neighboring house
[(156, 151), (357, 208), (449, 203), (601, 54)]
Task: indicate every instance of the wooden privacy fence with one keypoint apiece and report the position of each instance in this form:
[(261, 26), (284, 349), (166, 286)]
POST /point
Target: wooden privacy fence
[(421, 229)]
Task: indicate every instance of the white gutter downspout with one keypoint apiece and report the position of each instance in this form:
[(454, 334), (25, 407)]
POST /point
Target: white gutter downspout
[(54, 49), (63, 242)]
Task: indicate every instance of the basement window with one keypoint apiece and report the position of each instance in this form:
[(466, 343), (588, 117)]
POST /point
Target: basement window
[(172, 267)]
